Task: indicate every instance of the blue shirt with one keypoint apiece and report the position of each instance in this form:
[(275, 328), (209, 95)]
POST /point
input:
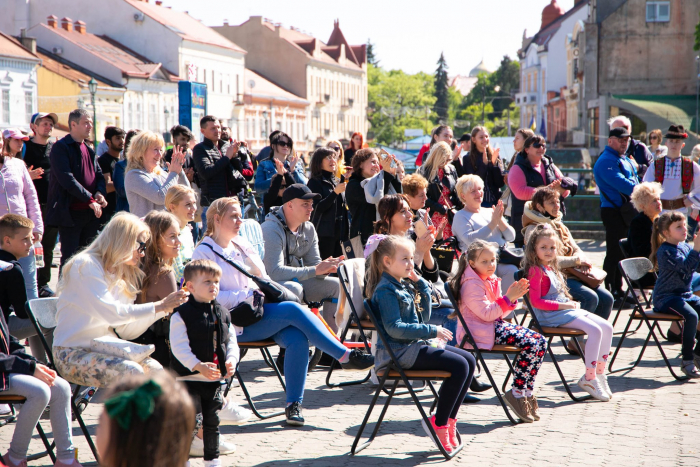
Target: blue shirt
[(677, 263), (614, 176)]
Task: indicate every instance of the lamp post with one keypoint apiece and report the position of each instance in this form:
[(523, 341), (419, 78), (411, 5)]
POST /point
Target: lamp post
[(92, 86)]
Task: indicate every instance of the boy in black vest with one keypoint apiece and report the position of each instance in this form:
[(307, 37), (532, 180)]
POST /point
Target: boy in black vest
[(204, 348)]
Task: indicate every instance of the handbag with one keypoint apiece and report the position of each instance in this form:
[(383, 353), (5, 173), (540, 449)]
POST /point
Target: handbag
[(353, 248), (249, 311), (592, 279), (273, 291), (444, 253), (116, 347), (512, 256)]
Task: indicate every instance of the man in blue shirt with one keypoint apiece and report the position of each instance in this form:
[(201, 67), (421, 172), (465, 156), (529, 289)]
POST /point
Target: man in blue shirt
[(616, 177)]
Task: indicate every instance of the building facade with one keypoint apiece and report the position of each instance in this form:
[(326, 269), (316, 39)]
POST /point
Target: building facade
[(18, 83), (331, 76)]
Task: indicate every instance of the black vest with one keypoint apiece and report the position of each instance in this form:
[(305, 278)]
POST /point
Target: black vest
[(205, 322)]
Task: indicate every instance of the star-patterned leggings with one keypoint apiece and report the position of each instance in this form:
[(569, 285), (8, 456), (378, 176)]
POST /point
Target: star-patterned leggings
[(529, 360)]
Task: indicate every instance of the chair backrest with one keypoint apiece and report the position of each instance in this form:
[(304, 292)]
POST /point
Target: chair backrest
[(521, 274), (636, 268), (372, 313), (346, 294), (625, 247), (44, 311), (251, 231), (467, 333)]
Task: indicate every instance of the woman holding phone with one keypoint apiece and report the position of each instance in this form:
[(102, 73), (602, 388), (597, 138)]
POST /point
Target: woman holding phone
[(282, 150)]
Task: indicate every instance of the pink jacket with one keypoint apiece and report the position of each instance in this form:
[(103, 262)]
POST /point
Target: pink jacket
[(17, 192), (481, 303)]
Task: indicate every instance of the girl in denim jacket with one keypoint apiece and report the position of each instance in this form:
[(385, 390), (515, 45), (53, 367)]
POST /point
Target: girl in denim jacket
[(676, 262), (403, 301)]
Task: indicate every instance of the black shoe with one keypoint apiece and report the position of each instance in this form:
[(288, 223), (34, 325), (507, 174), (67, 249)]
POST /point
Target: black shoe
[(359, 361), (46, 292), (673, 337), (470, 399), (293, 413), (478, 386)]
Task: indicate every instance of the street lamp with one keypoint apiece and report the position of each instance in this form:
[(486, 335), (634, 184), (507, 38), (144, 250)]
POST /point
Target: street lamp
[(92, 86)]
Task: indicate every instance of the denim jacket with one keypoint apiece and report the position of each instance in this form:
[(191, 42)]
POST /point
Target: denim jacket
[(267, 169), (398, 317), (676, 267)]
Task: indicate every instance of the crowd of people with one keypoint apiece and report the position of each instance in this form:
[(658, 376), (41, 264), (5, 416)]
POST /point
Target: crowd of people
[(156, 250)]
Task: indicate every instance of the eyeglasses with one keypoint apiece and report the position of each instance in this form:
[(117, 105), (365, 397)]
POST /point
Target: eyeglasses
[(332, 157), (539, 145), (284, 143), (653, 137), (141, 248), (335, 148)]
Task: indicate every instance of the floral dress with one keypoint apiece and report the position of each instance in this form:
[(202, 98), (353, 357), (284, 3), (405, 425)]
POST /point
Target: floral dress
[(440, 219)]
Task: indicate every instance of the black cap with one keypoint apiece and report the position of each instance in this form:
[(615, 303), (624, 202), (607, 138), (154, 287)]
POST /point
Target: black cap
[(298, 191), (619, 132), (465, 137), (676, 132)]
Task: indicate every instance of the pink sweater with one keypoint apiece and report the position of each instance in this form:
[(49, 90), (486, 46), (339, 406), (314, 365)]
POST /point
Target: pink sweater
[(539, 287), (17, 192), (518, 183), (481, 303)]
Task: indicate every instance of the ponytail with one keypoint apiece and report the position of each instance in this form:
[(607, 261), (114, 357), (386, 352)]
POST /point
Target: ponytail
[(661, 225)]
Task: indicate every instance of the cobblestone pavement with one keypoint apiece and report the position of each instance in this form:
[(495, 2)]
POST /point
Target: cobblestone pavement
[(651, 421)]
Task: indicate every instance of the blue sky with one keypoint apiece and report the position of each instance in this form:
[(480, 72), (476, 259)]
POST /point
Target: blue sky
[(408, 35)]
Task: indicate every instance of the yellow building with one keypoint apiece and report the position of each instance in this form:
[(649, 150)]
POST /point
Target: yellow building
[(63, 87)]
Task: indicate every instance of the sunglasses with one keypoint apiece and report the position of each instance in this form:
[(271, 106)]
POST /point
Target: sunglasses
[(284, 143), (141, 248), (539, 145), (332, 157), (653, 137), (335, 148)]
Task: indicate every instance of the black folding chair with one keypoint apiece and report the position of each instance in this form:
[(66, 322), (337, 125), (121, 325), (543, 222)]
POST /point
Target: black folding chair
[(354, 323), (504, 350), (632, 270), (42, 314), (624, 247), (395, 373), (264, 347), (550, 333)]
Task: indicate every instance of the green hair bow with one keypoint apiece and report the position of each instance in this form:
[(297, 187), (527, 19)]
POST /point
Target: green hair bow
[(141, 400)]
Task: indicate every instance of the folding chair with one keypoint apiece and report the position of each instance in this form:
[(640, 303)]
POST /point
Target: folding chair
[(503, 350), (42, 313), (353, 323), (550, 333), (263, 346), (14, 399), (624, 247), (395, 373), (632, 270)]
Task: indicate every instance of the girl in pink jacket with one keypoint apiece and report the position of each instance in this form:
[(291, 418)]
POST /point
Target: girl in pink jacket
[(478, 293)]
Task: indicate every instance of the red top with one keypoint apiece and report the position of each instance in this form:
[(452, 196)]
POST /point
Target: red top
[(539, 287)]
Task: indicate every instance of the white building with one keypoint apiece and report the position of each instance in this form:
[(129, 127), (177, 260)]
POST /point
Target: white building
[(179, 42), (18, 83)]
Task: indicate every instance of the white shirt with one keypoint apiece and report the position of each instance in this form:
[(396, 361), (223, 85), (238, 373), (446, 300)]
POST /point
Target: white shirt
[(672, 179)]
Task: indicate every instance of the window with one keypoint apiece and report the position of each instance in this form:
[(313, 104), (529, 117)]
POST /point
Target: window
[(6, 105), (28, 105), (153, 122), (658, 12)]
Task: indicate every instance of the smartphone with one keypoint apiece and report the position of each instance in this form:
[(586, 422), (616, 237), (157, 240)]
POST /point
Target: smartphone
[(420, 228)]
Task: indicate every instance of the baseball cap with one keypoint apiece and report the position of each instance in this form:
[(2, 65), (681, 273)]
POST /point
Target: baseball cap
[(298, 191), (619, 132), (15, 134), (39, 115)]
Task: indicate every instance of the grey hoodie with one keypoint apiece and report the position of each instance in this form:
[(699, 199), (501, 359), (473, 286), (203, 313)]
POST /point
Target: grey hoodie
[(288, 255)]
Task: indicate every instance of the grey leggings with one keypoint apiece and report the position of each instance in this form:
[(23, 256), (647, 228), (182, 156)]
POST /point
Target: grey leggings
[(39, 395), (23, 329)]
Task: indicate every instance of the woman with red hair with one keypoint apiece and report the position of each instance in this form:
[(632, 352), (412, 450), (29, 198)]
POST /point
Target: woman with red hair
[(356, 143)]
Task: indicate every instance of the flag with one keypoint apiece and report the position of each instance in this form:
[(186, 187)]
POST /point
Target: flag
[(533, 123), (543, 130)]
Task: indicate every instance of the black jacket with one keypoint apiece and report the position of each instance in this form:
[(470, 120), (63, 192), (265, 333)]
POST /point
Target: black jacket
[(271, 198), (362, 213), (66, 161), (639, 243), (203, 321), (330, 216), (13, 294), (435, 185), (12, 357), (491, 174), (215, 173), (38, 155)]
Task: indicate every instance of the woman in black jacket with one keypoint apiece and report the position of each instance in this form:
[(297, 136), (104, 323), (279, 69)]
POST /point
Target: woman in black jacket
[(280, 181), (330, 216), (485, 162), (442, 180), (363, 214)]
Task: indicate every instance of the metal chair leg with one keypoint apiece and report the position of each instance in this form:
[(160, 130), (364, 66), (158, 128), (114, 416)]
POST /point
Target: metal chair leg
[(355, 448), (561, 374)]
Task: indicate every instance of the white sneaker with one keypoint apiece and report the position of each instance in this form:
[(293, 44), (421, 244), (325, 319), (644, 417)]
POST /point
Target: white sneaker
[(603, 380), (593, 387), (212, 463), (233, 414), (5, 409), (197, 448)]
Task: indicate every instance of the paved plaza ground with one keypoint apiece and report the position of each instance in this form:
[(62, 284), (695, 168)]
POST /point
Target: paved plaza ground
[(651, 421)]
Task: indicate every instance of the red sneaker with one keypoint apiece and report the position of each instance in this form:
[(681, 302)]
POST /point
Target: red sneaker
[(452, 431), (442, 434)]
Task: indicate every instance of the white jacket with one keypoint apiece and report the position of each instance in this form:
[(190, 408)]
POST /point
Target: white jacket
[(88, 308)]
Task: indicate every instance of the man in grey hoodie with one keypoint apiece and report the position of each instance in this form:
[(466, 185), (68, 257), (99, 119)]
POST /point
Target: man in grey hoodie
[(291, 251)]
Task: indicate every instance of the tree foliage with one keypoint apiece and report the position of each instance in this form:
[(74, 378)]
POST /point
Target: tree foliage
[(371, 56), (442, 99), (697, 37)]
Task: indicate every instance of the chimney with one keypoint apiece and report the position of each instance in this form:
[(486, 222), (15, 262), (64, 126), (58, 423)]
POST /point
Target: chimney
[(29, 43), (67, 24), (52, 21), (225, 22), (80, 27)]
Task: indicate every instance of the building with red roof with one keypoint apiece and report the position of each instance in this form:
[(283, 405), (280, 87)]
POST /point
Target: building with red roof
[(18, 83)]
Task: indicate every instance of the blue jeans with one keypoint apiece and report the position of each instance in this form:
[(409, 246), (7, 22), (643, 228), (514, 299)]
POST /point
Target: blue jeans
[(293, 327), (688, 309), (597, 301), (439, 317), (28, 264)]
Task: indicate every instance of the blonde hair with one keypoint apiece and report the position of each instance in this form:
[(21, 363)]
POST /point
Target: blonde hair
[(112, 249), (176, 194), (158, 222), (466, 183), (138, 147), (218, 208), (387, 247), (532, 261), (340, 166), (695, 154), (439, 155), (411, 184), (644, 193)]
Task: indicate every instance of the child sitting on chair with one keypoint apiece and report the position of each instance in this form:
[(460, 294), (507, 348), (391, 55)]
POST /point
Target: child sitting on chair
[(477, 290), (21, 374), (204, 348), (554, 307), (676, 262), (403, 300)]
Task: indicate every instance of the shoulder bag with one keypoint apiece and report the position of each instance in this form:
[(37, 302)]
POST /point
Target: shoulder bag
[(592, 279)]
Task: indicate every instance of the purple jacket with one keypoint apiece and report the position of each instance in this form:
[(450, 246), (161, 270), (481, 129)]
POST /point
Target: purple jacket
[(17, 192)]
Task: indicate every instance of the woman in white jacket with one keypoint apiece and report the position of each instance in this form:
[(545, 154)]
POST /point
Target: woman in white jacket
[(96, 299)]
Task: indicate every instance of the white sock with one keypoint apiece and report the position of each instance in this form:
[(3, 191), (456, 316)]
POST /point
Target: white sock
[(519, 394), (213, 462), (346, 357), (527, 392)]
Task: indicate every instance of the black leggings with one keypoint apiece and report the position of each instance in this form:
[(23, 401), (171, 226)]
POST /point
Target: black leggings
[(458, 362)]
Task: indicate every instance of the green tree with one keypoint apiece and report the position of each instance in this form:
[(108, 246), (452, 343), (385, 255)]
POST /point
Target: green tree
[(495, 88), (697, 37), (442, 100), (371, 57)]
